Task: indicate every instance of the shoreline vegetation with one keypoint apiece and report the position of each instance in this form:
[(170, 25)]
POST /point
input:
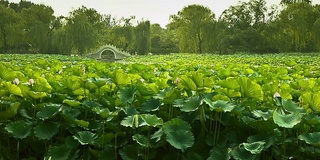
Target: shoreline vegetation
[(249, 27)]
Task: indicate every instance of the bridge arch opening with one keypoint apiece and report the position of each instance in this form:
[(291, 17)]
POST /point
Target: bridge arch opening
[(108, 55)]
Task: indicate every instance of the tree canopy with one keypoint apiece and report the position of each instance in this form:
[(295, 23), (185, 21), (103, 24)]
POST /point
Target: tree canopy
[(250, 26)]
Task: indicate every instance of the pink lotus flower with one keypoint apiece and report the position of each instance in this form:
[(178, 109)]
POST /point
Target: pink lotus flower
[(31, 82), (16, 81)]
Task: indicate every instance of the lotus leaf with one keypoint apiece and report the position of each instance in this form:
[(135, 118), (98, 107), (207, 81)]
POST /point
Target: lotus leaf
[(48, 111), (46, 130), (59, 153), (127, 94), (19, 129), (286, 120), (311, 138), (180, 139), (85, 137)]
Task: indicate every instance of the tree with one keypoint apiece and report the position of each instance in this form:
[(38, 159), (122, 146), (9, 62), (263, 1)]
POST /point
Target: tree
[(8, 20), (142, 37), (189, 26), (38, 26), (287, 2), (84, 25), (297, 22), (122, 34)]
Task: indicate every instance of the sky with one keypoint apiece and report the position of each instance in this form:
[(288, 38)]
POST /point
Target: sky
[(156, 11)]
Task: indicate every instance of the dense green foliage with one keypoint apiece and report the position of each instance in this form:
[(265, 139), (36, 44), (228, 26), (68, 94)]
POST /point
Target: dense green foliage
[(246, 27), (235, 107)]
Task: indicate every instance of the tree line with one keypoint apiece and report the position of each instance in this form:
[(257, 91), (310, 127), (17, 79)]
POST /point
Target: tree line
[(292, 26)]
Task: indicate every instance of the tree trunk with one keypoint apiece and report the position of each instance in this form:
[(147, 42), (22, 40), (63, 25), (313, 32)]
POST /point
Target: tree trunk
[(4, 36), (200, 43)]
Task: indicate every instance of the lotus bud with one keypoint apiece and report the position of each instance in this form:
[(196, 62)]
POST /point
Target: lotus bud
[(16, 81), (277, 95), (177, 80), (83, 69), (31, 82)]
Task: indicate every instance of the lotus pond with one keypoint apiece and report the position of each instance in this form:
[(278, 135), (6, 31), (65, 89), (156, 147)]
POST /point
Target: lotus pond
[(179, 106)]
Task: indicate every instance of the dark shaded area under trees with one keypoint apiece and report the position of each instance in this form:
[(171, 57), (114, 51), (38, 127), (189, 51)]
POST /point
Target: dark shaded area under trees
[(251, 27)]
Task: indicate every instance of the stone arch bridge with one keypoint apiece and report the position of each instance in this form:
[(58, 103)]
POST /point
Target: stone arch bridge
[(103, 53)]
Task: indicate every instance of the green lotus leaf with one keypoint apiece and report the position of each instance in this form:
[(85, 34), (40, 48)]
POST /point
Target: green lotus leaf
[(132, 121), (41, 85), (82, 123), (189, 105), (26, 113), (104, 113), (91, 104), (129, 111), (171, 96), (37, 95), (19, 129), (3, 92), (176, 124), (157, 135), (147, 75), (180, 139), (311, 138), (72, 103), (240, 153), (129, 152), (197, 78), (46, 130), (13, 89), (48, 111), (121, 78), (151, 120), (141, 140), (286, 120), (151, 105), (85, 137), (219, 105), (99, 81), (80, 92), (70, 142), (291, 106), (72, 83), (59, 153), (250, 89), (139, 67), (311, 100), (219, 153), (162, 83), (312, 119), (230, 83), (230, 93), (127, 94), (254, 147), (10, 112), (6, 74), (145, 90), (261, 114), (187, 82)]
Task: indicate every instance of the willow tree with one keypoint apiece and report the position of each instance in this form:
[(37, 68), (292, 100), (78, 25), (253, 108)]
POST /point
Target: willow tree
[(38, 26), (298, 22), (189, 25), (84, 25), (8, 19), (142, 37)]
